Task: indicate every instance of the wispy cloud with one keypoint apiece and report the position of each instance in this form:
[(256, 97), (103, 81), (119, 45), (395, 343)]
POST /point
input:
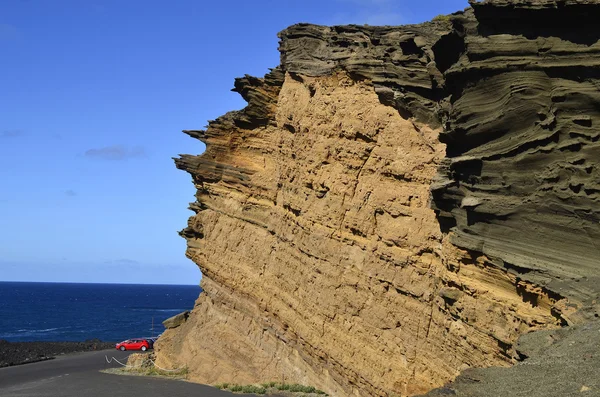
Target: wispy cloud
[(370, 12), (125, 261), (70, 193), (98, 8), (8, 32), (11, 133), (367, 3), (116, 153), (382, 19)]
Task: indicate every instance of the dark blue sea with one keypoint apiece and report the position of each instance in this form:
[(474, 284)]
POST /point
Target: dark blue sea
[(78, 312)]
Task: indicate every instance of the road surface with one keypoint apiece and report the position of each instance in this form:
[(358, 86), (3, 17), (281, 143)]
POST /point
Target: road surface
[(78, 375)]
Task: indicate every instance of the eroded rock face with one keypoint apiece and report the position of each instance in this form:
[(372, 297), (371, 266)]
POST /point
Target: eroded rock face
[(521, 176), (325, 258), (176, 320)]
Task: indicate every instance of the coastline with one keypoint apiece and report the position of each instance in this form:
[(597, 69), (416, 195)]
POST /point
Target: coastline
[(20, 353)]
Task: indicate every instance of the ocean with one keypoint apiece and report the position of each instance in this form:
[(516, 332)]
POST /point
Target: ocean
[(78, 312)]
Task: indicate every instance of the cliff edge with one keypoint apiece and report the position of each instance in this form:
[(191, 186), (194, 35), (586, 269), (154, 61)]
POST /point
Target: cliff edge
[(396, 205)]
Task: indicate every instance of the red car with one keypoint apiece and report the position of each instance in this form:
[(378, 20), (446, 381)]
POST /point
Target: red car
[(133, 344)]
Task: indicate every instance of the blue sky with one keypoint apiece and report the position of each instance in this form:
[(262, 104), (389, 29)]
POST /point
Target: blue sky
[(94, 95)]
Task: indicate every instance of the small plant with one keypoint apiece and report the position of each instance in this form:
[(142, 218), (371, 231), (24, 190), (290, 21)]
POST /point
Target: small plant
[(297, 388), (269, 386), (302, 389), (282, 386), (235, 388), (254, 389), (153, 371), (442, 18)]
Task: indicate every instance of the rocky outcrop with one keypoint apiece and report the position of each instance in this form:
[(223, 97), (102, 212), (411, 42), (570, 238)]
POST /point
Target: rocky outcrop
[(396, 204), (176, 320), (520, 182)]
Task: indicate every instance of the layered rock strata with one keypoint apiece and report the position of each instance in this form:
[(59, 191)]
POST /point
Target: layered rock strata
[(521, 178), (395, 205)]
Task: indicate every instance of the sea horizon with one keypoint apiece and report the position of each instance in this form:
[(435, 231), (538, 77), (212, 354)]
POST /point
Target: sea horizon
[(87, 282), (70, 311)]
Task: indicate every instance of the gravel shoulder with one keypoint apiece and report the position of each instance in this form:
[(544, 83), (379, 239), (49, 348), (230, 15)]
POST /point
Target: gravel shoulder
[(557, 363)]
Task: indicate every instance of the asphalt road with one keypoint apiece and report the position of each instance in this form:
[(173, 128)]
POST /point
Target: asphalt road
[(78, 375)]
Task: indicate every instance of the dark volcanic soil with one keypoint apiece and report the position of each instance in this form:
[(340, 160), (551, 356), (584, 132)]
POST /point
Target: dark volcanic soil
[(15, 353), (558, 363)]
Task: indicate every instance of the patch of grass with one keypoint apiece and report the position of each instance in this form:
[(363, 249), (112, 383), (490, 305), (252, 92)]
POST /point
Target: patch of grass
[(297, 388), (302, 389), (235, 388), (254, 389), (442, 18), (242, 388), (157, 371), (270, 387), (147, 372)]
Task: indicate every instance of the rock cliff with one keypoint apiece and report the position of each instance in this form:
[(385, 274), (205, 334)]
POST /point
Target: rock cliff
[(398, 204)]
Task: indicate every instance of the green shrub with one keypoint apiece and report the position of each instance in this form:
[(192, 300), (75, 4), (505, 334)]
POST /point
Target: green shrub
[(296, 388), (263, 388), (282, 386), (442, 18), (253, 389), (235, 388)]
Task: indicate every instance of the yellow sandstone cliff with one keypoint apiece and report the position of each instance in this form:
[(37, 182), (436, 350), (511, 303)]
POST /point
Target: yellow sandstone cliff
[(325, 259)]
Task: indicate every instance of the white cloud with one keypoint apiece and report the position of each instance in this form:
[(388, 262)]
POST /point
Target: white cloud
[(8, 32), (367, 18), (367, 3), (125, 261), (116, 153), (11, 133), (388, 18), (369, 12)]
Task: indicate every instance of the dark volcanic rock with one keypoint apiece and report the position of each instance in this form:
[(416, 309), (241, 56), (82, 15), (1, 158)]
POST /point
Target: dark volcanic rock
[(15, 353), (561, 362), (521, 128)]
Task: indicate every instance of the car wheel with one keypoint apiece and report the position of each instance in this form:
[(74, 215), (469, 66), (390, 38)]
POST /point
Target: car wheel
[(144, 348), (122, 348)]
